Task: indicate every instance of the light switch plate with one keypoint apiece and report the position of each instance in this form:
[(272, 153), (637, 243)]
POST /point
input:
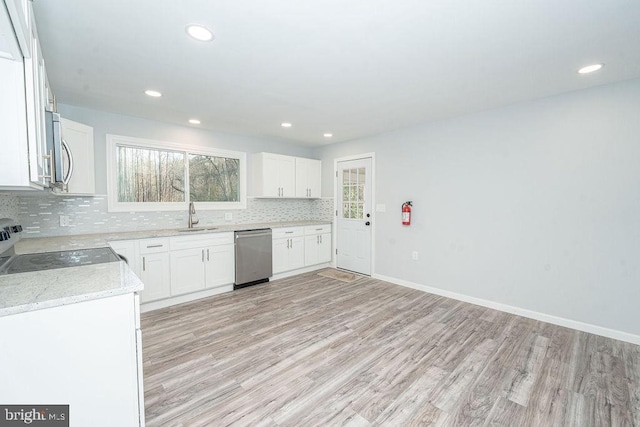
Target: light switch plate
[(381, 207), (228, 216)]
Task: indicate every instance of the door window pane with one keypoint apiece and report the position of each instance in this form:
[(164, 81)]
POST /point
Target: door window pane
[(150, 175), (213, 179)]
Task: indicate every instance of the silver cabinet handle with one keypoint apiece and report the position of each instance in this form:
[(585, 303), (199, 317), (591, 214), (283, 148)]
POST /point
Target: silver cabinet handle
[(288, 232), (287, 243), (144, 263), (154, 246), (203, 255), (49, 157), (318, 239), (207, 254), (321, 238), (67, 178)]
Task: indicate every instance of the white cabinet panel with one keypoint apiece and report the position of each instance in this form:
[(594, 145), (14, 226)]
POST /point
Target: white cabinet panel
[(85, 355), (288, 249), (308, 178), (220, 265), (187, 271), (156, 276), (280, 255), (317, 249), (274, 175), (79, 137)]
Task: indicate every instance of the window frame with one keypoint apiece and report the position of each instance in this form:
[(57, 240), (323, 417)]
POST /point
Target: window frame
[(113, 205)]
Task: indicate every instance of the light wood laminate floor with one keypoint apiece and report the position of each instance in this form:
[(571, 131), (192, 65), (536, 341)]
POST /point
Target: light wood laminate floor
[(309, 350)]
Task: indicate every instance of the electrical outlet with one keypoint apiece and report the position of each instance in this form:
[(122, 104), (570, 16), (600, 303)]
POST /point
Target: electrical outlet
[(414, 255), (381, 207), (228, 216), (64, 220)]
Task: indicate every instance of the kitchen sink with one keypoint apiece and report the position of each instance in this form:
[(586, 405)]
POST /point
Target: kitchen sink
[(201, 229)]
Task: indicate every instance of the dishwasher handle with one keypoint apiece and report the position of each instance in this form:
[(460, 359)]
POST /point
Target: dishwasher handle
[(253, 233)]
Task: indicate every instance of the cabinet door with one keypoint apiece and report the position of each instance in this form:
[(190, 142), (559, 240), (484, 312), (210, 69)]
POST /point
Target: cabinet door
[(13, 129), (308, 177), (156, 276), (187, 271), (324, 248), (314, 178), (287, 175), (296, 253), (79, 137), (311, 244), (220, 265), (280, 255), (270, 180)]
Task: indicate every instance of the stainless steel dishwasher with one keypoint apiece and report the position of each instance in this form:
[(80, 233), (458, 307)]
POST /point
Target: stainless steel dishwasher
[(254, 263)]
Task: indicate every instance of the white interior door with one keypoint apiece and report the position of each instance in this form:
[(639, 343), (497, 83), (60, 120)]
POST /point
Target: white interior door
[(354, 216)]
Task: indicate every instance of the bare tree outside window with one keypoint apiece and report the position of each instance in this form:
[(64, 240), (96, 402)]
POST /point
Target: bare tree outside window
[(213, 179), (150, 175)]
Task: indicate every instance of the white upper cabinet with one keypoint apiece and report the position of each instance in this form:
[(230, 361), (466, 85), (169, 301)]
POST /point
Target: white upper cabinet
[(274, 175), (14, 161), (308, 178), (25, 95), (277, 176), (79, 137)]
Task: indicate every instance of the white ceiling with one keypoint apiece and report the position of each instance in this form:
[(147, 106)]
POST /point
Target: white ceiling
[(353, 68)]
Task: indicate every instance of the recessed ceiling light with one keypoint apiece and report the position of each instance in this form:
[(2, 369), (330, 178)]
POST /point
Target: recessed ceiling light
[(286, 125), (590, 68), (328, 135), (153, 93), (199, 32), (194, 121)]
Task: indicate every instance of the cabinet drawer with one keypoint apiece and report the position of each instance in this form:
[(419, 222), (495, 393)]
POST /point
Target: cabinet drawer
[(317, 229), (152, 246), (201, 240), (287, 232)]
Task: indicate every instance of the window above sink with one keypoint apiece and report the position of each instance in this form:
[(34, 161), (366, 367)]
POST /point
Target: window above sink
[(145, 175)]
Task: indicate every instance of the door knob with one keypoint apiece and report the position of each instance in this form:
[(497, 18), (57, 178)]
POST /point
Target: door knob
[(367, 223)]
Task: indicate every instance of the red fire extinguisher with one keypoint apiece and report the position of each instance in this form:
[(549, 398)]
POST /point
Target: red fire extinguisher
[(406, 213)]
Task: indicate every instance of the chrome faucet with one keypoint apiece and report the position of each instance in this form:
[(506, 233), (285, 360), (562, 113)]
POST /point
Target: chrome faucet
[(192, 212)]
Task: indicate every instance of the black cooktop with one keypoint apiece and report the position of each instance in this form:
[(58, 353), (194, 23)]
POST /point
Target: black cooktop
[(52, 260)]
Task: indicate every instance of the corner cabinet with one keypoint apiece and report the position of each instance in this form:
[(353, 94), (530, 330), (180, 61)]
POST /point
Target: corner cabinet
[(279, 176)]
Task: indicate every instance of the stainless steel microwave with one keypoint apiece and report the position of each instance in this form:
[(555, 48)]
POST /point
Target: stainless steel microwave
[(60, 156)]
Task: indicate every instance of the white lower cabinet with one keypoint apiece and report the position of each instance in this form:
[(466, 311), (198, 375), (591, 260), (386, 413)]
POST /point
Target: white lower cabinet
[(317, 244), (155, 271), (93, 365), (288, 249), (201, 262)]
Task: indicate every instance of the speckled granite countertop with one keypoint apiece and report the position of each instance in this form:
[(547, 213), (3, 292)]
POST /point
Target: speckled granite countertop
[(36, 290), (51, 288), (86, 241)]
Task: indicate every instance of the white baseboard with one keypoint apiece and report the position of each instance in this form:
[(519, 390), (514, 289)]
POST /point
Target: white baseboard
[(154, 305), (567, 323)]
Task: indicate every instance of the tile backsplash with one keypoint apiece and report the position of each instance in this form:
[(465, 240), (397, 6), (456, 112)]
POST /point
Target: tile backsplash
[(40, 214), (9, 206)]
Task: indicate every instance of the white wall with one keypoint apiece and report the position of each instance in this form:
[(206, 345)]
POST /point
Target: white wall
[(104, 123), (536, 205)]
